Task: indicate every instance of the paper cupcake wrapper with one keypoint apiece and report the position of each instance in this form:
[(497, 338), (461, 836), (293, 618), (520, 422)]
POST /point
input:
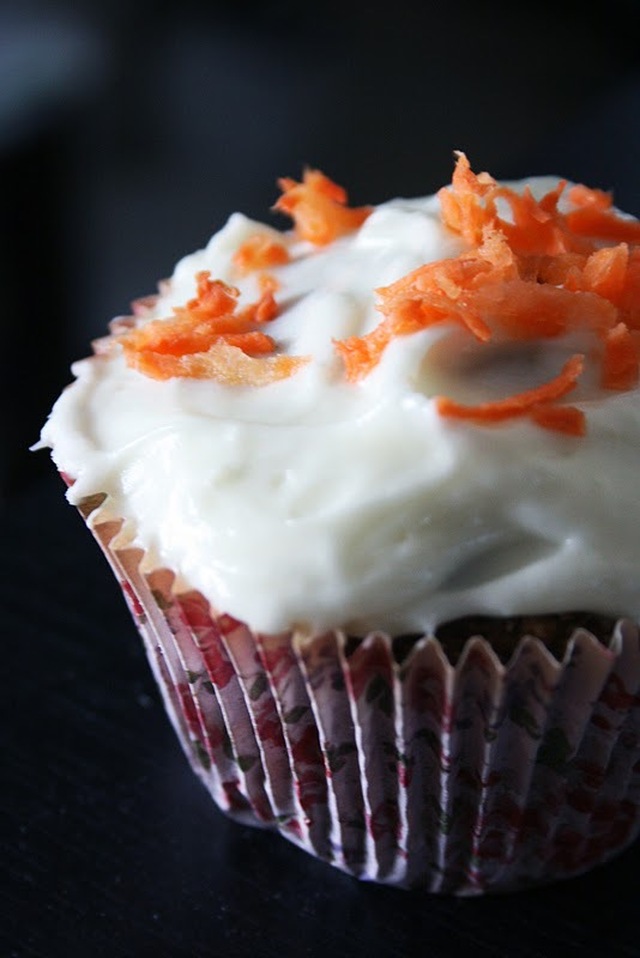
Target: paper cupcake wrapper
[(477, 778)]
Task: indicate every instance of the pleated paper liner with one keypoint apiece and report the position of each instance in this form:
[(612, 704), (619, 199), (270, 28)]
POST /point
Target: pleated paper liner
[(463, 779)]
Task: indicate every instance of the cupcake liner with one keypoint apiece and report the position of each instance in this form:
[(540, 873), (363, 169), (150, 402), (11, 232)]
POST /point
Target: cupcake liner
[(467, 779)]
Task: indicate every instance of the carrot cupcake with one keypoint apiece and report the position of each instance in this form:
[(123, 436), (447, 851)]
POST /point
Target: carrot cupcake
[(368, 484)]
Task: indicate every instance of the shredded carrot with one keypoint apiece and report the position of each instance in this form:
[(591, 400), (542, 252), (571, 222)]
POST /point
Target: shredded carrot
[(462, 205), (581, 195), (520, 403), (620, 364), (540, 272), (208, 338), (530, 311), (434, 293), (565, 419), (268, 283), (225, 363), (485, 296), (259, 252), (533, 269), (630, 297), (318, 208), (213, 299), (596, 217), (263, 311), (536, 227), (605, 272), (362, 353), (591, 221), (470, 205)]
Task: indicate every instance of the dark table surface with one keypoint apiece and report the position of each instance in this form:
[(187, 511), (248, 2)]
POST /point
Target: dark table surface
[(113, 848)]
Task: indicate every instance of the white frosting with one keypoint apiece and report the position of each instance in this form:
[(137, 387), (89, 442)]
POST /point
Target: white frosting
[(319, 503)]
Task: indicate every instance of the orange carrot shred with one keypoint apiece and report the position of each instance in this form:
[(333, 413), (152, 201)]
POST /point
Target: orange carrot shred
[(603, 224), (581, 195), (565, 419), (535, 229), (361, 354), (629, 304), (227, 364), (461, 205), (251, 343), (318, 208), (533, 269), (322, 184), (620, 364), (520, 403), (263, 311), (259, 252), (268, 283), (542, 271), (213, 298), (605, 272), (208, 337)]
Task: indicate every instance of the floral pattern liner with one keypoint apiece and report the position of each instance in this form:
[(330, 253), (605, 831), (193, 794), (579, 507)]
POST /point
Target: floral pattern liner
[(460, 780)]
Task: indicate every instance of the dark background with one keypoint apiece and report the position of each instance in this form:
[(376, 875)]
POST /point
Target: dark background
[(129, 131)]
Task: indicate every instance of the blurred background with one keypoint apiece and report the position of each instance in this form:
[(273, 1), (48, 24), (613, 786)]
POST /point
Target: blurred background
[(130, 130)]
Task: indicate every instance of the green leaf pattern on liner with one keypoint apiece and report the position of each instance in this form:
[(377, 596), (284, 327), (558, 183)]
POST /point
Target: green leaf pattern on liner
[(227, 746), (202, 754), (247, 762), (522, 717), (259, 685), (337, 755), (295, 714), (198, 679)]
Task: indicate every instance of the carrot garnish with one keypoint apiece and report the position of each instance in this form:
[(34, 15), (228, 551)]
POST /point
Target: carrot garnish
[(434, 293), (483, 295), (469, 206), (262, 311), (605, 224), (318, 207), (605, 272), (259, 252), (594, 216), (521, 311), (519, 404), (565, 419), (620, 364), (533, 271), (225, 363), (361, 354), (581, 195), (268, 283), (535, 268), (536, 227), (629, 304), (210, 338)]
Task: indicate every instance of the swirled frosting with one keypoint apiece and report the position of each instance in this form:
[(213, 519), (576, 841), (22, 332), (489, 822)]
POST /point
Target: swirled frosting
[(318, 502)]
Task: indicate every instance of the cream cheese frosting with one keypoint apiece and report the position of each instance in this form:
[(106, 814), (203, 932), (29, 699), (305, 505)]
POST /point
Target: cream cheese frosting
[(314, 502)]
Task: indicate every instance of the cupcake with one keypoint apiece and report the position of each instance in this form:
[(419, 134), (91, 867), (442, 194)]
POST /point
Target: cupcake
[(368, 484)]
